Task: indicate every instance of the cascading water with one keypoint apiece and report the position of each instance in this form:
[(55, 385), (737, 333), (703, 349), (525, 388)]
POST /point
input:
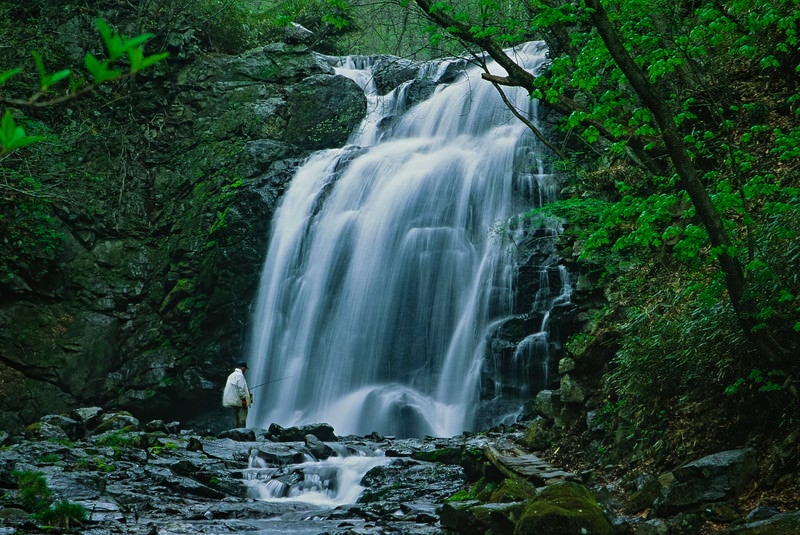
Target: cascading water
[(388, 268)]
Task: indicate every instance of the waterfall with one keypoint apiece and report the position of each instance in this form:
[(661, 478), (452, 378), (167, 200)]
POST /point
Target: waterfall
[(391, 261)]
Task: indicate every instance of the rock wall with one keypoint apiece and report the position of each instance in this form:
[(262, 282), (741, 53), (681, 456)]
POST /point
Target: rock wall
[(164, 224)]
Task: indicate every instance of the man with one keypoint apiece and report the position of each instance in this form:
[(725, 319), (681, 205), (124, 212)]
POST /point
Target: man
[(237, 396)]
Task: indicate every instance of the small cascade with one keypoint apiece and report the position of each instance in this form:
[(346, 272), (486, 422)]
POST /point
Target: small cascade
[(328, 482), (532, 357)]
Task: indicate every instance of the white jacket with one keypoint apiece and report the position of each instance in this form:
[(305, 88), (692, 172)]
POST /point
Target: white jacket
[(235, 390)]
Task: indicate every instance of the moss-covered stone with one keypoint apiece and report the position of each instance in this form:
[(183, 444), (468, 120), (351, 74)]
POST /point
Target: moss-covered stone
[(513, 490), (564, 509)]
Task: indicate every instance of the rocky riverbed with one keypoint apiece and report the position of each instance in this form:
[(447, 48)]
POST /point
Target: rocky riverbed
[(99, 473)]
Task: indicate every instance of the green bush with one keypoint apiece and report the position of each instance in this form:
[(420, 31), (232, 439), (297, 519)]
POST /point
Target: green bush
[(34, 494), (62, 514)]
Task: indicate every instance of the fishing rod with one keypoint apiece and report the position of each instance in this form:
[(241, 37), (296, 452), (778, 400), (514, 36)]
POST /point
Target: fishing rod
[(272, 381)]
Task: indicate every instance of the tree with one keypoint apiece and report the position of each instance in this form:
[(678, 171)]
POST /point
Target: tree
[(636, 79)]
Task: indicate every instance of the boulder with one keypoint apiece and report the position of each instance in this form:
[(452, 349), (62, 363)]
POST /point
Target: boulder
[(323, 111), (713, 478), (322, 431), (318, 448), (779, 524), (459, 517), (563, 508)]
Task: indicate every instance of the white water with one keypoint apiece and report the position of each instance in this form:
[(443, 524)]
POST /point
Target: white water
[(386, 272), (327, 483)]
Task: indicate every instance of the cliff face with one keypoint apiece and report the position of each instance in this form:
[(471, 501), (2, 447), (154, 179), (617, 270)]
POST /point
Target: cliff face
[(164, 190)]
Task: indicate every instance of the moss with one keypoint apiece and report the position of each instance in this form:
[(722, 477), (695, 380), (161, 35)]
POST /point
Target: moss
[(439, 455), (562, 509), (513, 490)]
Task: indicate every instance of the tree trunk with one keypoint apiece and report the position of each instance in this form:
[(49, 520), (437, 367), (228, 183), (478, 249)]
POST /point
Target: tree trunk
[(712, 221)]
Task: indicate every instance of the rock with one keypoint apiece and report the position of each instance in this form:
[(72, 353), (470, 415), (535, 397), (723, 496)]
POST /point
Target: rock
[(563, 508), (45, 431), (458, 517), (761, 513), (319, 449), (408, 484), (73, 428), (713, 478), (322, 431), (780, 524), (88, 416), (297, 34), (118, 421), (548, 403), (324, 111), (571, 391), (391, 71), (566, 365), (239, 435)]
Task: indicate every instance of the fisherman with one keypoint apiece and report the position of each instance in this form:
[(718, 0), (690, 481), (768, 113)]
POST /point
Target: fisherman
[(237, 396)]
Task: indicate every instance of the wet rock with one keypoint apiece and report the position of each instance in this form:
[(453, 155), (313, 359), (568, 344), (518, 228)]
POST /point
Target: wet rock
[(319, 449), (405, 485), (118, 421), (45, 431), (278, 454), (548, 403), (239, 435), (324, 110), (169, 428), (88, 416), (74, 429), (571, 391), (390, 71), (322, 431)]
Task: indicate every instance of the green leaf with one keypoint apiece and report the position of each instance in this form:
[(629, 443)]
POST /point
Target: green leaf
[(5, 75), (111, 39), (153, 59), (137, 41), (99, 69), (48, 80), (14, 137)]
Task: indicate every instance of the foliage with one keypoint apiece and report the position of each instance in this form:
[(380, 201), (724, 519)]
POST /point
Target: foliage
[(234, 26), (62, 514), (687, 54), (31, 237), (686, 204), (34, 494)]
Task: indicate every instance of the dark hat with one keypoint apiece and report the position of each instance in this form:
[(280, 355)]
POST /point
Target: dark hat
[(242, 365)]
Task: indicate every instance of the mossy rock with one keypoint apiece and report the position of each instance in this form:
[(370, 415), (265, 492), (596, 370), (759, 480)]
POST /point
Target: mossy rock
[(564, 509), (539, 435), (39, 431), (513, 490), (472, 517)]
